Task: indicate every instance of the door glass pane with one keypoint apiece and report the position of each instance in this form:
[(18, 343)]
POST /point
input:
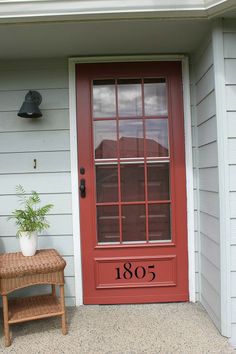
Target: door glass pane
[(104, 99), (132, 182), (108, 224), (157, 137), (105, 139), (133, 223), (155, 99), (107, 183), (158, 181), (159, 222), (129, 98), (131, 138)]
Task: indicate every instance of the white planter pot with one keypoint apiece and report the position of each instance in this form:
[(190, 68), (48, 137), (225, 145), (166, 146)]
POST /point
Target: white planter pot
[(28, 243)]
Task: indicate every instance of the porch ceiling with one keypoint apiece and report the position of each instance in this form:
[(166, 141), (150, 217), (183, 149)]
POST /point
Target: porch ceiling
[(66, 39)]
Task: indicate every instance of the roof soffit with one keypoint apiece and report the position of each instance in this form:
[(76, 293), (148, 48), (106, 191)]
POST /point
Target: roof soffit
[(53, 10)]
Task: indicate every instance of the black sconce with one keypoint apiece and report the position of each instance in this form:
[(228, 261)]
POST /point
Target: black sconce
[(30, 107)]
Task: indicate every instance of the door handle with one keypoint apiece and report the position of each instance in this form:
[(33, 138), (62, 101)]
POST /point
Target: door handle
[(82, 188)]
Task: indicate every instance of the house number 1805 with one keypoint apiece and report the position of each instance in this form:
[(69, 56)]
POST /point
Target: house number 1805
[(128, 272)]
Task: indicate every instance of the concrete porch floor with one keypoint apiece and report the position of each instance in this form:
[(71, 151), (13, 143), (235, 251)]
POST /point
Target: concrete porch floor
[(124, 329)]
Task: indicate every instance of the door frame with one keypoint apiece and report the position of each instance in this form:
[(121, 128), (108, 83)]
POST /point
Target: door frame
[(74, 161)]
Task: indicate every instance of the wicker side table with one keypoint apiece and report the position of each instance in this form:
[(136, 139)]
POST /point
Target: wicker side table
[(16, 272)]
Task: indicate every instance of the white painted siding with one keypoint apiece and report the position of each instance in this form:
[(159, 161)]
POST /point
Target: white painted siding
[(206, 180), (47, 140), (229, 33)]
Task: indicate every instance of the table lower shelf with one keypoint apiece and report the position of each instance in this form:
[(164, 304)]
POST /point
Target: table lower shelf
[(33, 308)]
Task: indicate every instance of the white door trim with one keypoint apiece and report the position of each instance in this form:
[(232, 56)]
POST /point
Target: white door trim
[(189, 179), (74, 161)]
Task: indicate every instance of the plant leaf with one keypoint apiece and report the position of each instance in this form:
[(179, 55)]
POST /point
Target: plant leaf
[(31, 217)]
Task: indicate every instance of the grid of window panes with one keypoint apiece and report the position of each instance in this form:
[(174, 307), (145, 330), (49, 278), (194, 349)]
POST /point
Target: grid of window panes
[(131, 157)]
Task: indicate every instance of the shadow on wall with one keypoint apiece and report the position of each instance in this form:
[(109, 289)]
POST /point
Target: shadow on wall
[(2, 247)]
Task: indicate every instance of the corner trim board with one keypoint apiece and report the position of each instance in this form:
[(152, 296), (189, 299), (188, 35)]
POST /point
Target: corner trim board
[(224, 213)]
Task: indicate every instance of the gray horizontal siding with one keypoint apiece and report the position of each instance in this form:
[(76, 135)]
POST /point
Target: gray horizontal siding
[(52, 99), (57, 140), (229, 47), (233, 230), (51, 76), (59, 225), (49, 161), (50, 183), (210, 226), (210, 299), (233, 313), (205, 85), (208, 179), (232, 150), (232, 200), (208, 156), (47, 141), (207, 132), (209, 203), (230, 97), (210, 251), (231, 120), (203, 60), (207, 183), (62, 203), (53, 119), (63, 243), (206, 108)]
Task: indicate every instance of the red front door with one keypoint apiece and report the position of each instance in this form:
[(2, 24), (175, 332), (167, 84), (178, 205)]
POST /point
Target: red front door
[(132, 182)]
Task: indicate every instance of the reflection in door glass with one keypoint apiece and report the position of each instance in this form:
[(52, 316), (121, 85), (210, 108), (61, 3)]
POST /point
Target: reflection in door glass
[(133, 223), (132, 182), (129, 98), (157, 137), (131, 138), (159, 222), (158, 181), (105, 139), (107, 183), (155, 100), (108, 224), (104, 99), (123, 199)]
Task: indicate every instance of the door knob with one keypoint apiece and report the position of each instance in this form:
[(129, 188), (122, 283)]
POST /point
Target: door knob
[(82, 188)]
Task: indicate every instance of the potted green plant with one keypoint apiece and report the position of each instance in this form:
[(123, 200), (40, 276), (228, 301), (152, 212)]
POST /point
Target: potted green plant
[(30, 220)]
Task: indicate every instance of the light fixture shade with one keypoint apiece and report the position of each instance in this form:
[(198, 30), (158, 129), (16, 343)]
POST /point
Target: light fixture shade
[(30, 107)]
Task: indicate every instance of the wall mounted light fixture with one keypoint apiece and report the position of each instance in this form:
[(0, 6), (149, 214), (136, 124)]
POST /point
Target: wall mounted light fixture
[(30, 107)]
